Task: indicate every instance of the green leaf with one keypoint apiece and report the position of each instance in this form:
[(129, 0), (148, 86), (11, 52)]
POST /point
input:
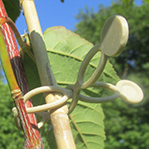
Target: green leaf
[(147, 1), (87, 126), (13, 8), (66, 51), (127, 2)]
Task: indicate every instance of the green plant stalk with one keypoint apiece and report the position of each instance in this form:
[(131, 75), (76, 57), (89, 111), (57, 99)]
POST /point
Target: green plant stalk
[(59, 117), (16, 62), (6, 64), (30, 138)]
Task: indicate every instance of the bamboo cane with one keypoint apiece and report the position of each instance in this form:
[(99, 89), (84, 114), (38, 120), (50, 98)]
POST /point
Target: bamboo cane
[(59, 117)]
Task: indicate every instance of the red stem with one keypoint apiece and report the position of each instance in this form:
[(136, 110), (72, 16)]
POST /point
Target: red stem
[(16, 63), (31, 140)]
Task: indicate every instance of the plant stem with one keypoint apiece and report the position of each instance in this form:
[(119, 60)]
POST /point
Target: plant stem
[(31, 140), (60, 124), (17, 66)]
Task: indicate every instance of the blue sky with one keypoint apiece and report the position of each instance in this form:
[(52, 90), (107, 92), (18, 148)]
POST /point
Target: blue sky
[(55, 13)]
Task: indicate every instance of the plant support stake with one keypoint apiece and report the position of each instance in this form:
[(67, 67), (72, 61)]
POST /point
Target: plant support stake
[(59, 117)]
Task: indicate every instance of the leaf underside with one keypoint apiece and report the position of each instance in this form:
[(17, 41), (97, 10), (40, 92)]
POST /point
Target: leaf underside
[(66, 51)]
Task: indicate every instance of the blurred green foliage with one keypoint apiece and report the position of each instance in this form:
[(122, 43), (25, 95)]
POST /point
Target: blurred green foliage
[(10, 136), (126, 126)]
